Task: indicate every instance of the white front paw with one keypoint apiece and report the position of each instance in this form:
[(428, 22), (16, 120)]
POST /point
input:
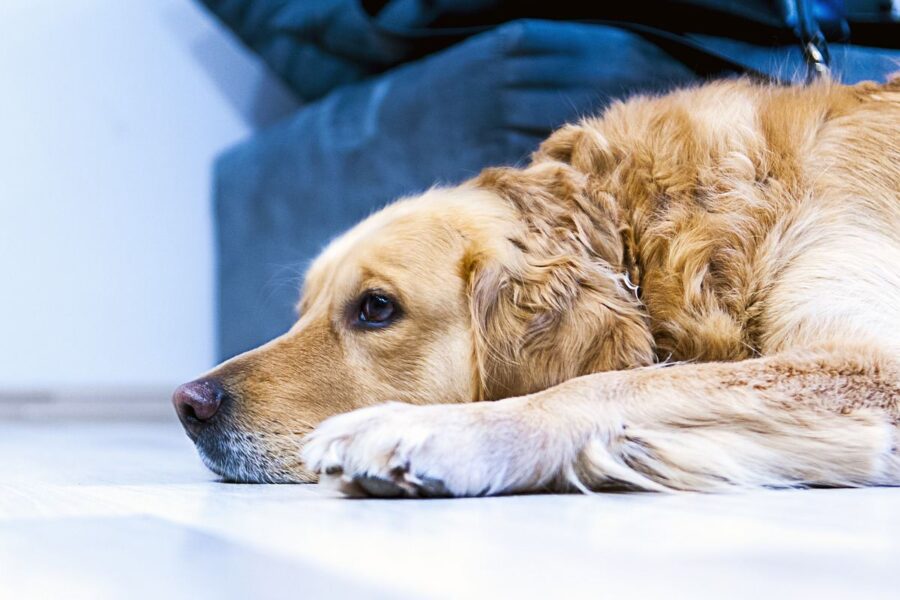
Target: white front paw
[(400, 450)]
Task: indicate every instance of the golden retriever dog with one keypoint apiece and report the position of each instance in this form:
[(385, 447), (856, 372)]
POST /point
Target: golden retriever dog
[(698, 291)]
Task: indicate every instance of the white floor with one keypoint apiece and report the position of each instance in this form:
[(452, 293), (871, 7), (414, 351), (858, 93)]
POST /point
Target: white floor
[(127, 511)]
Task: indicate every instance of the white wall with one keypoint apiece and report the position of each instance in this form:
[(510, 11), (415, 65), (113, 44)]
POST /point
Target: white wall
[(111, 112)]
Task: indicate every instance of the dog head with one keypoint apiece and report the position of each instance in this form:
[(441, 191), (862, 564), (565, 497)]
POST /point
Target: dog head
[(505, 285)]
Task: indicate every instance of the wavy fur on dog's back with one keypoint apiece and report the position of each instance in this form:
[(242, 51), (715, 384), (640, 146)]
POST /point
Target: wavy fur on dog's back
[(726, 185)]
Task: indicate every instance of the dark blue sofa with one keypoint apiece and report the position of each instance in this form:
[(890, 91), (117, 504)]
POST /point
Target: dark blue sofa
[(403, 94)]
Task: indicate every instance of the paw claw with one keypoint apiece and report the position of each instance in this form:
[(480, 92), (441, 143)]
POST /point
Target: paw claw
[(379, 487), (433, 488)]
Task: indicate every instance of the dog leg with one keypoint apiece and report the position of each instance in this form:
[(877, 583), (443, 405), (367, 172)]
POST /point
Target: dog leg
[(819, 417)]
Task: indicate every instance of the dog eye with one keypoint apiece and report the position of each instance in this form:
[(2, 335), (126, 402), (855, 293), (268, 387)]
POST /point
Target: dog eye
[(376, 310)]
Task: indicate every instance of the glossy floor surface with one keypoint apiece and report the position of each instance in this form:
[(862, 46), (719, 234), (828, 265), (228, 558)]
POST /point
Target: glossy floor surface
[(101, 511)]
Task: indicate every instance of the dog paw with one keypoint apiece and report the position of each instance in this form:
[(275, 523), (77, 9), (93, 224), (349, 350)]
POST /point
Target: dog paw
[(399, 450)]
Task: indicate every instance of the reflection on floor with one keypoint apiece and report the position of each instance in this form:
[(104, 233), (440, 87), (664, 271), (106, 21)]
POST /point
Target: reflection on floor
[(101, 511)]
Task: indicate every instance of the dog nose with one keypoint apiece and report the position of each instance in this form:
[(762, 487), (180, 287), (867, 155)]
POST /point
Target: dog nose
[(197, 402)]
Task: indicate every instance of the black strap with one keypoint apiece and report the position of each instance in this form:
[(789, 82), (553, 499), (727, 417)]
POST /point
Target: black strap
[(699, 56)]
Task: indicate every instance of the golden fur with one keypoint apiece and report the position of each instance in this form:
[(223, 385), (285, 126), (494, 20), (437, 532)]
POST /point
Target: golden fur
[(694, 291)]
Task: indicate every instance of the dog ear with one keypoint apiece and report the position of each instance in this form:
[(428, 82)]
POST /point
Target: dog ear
[(583, 147), (554, 302)]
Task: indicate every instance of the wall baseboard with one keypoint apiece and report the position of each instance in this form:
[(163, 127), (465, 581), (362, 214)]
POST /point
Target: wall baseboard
[(95, 403)]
